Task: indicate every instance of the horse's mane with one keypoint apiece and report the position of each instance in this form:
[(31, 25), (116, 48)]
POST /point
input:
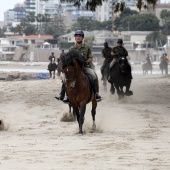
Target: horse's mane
[(67, 60)]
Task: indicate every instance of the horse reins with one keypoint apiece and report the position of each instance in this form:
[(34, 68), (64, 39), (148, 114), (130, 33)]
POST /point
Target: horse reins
[(72, 79)]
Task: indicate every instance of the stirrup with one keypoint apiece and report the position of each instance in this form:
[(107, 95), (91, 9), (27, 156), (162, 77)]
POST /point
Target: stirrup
[(66, 100), (98, 98)]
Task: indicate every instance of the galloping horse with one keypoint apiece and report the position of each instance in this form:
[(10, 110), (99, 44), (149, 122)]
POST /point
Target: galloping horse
[(121, 76), (78, 88), (146, 67), (164, 66), (52, 68)]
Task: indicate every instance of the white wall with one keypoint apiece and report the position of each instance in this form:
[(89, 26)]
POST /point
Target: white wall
[(4, 42)]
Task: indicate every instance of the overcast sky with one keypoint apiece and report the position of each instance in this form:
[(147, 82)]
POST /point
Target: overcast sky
[(9, 4)]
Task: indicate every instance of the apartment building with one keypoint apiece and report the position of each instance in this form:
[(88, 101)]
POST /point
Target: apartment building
[(14, 15)]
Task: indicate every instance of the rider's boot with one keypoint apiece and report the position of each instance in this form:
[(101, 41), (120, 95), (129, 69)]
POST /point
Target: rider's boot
[(66, 100), (102, 77), (111, 67), (62, 93), (102, 68), (96, 91)]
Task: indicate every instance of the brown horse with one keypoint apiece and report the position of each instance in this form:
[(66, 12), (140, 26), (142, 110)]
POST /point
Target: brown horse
[(146, 67), (164, 66), (78, 88)]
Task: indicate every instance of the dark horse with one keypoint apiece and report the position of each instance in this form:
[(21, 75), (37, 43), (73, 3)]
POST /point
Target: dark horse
[(78, 88), (164, 66), (105, 71), (52, 68), (121, 77), (146, 67)]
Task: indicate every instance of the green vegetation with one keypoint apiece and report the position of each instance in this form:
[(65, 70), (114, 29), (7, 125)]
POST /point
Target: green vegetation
[(118, 6), (91, 24), (130, 20)]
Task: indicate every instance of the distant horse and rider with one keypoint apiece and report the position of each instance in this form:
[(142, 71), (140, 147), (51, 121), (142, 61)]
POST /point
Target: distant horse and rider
[(106, 54), (147, 65), (120, 71), (164, 63), (52, 66)]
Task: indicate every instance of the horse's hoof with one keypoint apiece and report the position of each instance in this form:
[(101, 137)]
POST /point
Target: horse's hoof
[(112, 90), (129, 93), (80, 133), (98, 100), (93, 127)]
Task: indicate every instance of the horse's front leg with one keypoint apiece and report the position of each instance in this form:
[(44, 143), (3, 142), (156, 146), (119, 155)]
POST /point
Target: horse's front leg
[(93, 112), (128, 92), (54, 75), (118, 91), (166, 70), (112, 89), (81, 118), (76, 113), (50, 74)]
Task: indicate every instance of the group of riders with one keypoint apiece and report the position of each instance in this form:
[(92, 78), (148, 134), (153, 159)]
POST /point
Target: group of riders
[(110, 55)]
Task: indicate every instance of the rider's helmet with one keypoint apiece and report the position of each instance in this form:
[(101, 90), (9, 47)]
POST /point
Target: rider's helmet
[(120, 41), (79, 32), (52, 53), (105, 44), (62, 50)]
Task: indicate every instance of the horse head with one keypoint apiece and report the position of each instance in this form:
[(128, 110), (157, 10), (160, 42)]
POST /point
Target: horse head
[(53, 60), (123, 64), (71, 69)]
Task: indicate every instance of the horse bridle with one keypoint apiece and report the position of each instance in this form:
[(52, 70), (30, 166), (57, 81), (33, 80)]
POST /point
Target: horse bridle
[(74, 80), (123, 66)]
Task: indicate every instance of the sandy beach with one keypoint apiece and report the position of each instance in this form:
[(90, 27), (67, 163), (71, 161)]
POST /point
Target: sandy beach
[(132, 134)]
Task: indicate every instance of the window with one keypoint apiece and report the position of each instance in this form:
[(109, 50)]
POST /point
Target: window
[(33, 41)]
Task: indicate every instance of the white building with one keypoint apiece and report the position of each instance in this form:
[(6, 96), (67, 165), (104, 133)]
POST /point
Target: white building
[(51, 6), (34, 6), (104, 12)]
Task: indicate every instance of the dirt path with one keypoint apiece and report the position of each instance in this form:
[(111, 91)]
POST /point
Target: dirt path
[(132, 134)]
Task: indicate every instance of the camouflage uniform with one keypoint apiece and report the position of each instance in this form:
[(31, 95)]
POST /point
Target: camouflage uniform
[(86, 54), (118, 51)]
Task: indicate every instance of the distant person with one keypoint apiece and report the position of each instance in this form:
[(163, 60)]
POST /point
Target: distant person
[(148, 59), (164, 57), (51, 58), (61, 56), (106, 54)]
